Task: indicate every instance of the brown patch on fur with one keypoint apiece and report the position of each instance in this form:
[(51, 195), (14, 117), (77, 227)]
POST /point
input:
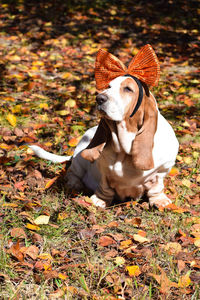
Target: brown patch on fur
[(94, 149)]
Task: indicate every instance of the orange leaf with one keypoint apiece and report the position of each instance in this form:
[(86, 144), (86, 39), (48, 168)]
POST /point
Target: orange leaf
[(125, 244), (174, 172), (32, 251), (15, 251), (18, 233), (73, 142), (106, 241), (50, 182)]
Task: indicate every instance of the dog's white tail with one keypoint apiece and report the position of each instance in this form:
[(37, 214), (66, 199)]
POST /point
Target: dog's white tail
[(47, 155)]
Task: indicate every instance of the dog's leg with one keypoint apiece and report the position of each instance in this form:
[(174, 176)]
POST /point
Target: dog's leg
[(155, 191), (103, 195)]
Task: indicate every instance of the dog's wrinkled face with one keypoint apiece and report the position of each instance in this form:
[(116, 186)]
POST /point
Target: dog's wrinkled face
[(114, 102)]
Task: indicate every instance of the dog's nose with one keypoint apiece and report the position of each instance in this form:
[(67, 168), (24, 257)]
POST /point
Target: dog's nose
[(101, 98)]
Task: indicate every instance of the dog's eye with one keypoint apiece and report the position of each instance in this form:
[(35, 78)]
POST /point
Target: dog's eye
[(128, 89)]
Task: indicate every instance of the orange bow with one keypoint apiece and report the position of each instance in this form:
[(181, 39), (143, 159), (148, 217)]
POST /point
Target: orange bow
[(145, 66)]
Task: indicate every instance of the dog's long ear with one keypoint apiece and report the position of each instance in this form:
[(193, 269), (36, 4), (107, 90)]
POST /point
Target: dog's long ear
[(143, 143), (94, 149)]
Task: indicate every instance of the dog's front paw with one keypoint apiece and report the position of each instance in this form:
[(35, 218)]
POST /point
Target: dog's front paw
[(97, 201), (160, 200)]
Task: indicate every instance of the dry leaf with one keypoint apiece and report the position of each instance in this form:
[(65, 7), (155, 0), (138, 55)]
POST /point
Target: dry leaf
[(50, 182), (125, 244), (18, 233), (140, 239), (106, 241), (133, 270), (173, 172), (41, 220), (32, 227), (184, 281), (11, 119), (119, 260), (73, 142), (32, 251), (172, 248)]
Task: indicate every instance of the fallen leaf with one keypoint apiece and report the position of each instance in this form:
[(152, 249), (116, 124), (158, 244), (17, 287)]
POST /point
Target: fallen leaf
[(113, 224), (56, 294), (125, 244), (163, 281), (18, 233), (197, 242), (106, 241), (11, 119), (15, 251), (133, 270), (73, 142), (32, 227), (70, 103), (180, 265), (32, 251), (41, 220), (173, 247), (140, 239), (186, 182), (119, 260), (50, 182), (173, 172), (184, 281)]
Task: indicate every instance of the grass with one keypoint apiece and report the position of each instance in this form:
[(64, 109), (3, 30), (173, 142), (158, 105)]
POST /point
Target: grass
[(47, 57)]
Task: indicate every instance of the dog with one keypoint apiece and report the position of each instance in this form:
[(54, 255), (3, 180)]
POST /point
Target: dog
[(131, 150)]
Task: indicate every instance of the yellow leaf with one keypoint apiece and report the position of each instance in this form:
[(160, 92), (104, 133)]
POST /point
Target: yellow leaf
[(195, 154), (197, 242), (188, 160), (66, 75), (184, 281), (125, 244), (44, 105), (12, 119), (119, 260), (70, 103), (17, 109), (186, 182), (173, 247), (63, 112), (62, 276), (45, 256), (140, 239), (10, 205), (32, 227), (63, 215), (133, 270), (41, 220), (38, 63)]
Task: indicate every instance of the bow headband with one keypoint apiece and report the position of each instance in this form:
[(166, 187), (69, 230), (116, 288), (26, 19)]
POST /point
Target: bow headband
[(144, 66)]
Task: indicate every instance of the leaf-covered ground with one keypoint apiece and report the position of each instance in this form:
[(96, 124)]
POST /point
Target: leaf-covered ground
[(55, 244)]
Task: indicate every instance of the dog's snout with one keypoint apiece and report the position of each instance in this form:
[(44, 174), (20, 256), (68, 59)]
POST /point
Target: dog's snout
[(101, 98)]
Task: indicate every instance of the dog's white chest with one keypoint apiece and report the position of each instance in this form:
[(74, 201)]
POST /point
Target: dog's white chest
[(116, 167), (125, 137)]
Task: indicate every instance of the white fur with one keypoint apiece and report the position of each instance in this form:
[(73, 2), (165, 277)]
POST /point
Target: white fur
[(117, 165), (115, 108)]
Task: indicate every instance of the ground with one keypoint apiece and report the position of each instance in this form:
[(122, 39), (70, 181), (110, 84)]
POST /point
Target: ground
[(54, 243)]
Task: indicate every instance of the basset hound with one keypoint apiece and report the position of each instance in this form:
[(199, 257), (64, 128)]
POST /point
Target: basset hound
[(131, 150)]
